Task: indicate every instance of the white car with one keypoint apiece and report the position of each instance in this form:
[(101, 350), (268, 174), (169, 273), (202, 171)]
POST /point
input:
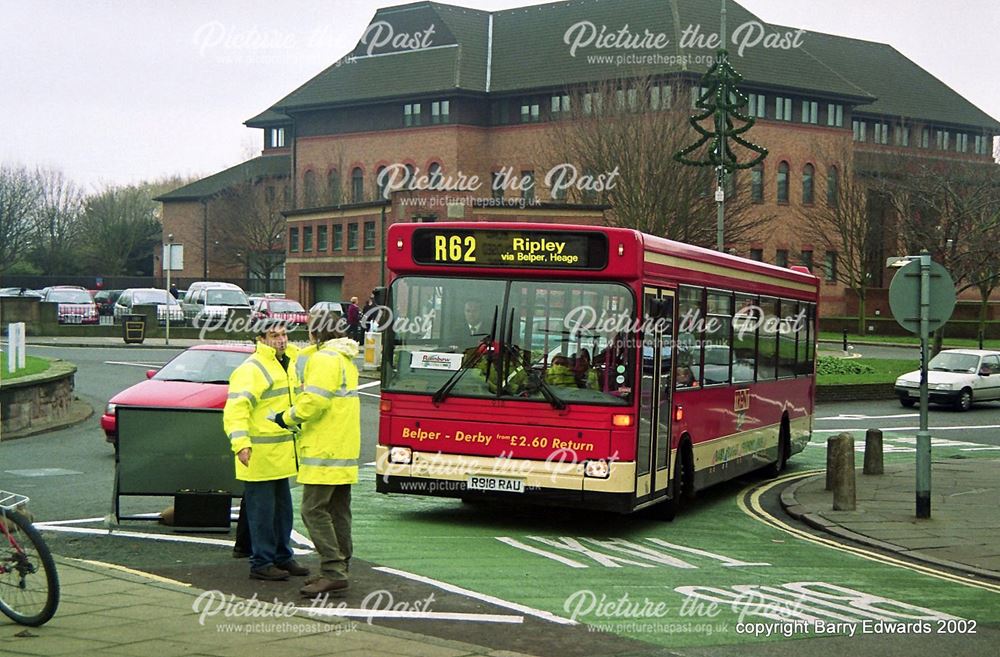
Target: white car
[(957, 377)]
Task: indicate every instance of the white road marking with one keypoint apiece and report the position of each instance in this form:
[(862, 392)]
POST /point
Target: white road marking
[(372, 384), (530, 611), (146, 365), (932, 428), (147, 536), (421, 615), (867, 417)]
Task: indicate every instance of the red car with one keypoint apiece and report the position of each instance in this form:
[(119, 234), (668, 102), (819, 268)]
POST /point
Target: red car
[(286, 309), (195, 378)]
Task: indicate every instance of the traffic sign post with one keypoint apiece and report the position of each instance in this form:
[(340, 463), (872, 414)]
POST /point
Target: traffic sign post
[(922, 298)]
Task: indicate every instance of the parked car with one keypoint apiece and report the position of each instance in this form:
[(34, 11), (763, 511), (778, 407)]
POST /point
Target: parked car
[(20, 292), (327, 306), (286, 309), (195, 378), (958, 377), (105, 300), (149, 296), (206, 301), (74, 304)]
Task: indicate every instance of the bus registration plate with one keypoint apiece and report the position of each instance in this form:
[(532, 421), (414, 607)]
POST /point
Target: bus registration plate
[(500, 484)]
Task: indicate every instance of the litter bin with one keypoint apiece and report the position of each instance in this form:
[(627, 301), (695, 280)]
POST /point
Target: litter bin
[(133, 329)]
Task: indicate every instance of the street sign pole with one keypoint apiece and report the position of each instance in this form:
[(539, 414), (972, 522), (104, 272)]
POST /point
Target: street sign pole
[(923, 435), (170, 266)]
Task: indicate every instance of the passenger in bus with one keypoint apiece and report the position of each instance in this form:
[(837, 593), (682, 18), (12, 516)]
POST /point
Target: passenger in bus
[(685, 378), (583, 373), (560, 373)]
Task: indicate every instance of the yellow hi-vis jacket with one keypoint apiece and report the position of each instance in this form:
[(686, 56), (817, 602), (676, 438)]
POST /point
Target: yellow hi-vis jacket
[(329, 414), (259, 389)]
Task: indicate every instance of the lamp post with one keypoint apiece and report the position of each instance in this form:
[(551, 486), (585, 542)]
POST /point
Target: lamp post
[(169, 267)]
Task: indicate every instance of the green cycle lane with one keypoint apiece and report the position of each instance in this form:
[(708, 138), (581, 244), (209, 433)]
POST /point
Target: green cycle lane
[(714, 576)]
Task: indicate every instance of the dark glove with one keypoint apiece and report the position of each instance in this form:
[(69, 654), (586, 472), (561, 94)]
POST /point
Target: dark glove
[(280, 420)]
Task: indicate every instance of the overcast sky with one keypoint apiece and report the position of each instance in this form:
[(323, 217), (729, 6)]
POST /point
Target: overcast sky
[(117, 91)]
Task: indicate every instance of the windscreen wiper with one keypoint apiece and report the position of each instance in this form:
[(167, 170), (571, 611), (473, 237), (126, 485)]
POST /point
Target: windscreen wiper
[(470, 361)]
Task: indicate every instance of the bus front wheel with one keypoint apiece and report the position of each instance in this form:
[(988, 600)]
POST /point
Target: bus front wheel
[(668, 509)]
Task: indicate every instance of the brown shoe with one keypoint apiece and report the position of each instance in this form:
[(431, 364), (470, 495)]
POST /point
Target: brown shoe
[(292, 567), (269, 573), (324, 585)]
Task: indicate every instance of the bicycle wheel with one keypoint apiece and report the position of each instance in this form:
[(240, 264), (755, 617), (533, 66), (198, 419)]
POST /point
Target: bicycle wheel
[(29, 585)]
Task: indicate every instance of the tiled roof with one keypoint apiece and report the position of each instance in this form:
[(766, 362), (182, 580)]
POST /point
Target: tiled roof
[(265, 166), (530, 52)]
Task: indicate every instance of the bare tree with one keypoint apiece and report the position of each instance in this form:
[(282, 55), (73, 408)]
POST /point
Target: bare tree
[(19, 199), (248, 224), (621, 136), (56, 223), (120, 230), (843, 221)]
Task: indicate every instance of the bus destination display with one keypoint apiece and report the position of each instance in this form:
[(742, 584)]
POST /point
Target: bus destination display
[(510, 248)]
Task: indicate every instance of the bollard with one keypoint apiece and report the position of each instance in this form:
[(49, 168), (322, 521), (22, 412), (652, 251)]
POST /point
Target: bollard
[(829, 463), (845, 339), (873, 452), (842, 460)]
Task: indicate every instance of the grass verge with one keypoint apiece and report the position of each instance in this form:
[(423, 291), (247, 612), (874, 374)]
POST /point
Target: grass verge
[(834, 371), (33, 365)]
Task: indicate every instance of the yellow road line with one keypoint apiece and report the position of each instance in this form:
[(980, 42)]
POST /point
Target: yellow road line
[(133, 571), (756, 491)]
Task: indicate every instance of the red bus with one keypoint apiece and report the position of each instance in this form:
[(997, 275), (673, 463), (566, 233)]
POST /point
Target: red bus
[(587, 366)]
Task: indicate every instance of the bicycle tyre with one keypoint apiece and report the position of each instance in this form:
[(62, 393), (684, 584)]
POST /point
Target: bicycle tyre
[(38, 554)]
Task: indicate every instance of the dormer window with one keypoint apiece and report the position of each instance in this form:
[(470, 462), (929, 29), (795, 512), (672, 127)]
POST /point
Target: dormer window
[(440, 111), (411, 114), (277, 138)]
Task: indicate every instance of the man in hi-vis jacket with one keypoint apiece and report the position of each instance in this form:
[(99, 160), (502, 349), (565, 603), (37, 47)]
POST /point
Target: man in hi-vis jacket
[(328, 414), (259, 389)]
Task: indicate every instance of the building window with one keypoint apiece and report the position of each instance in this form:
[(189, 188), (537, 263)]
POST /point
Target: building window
[(757, 105), (943, 139), (832, 187), (783, 109), (381, 182), (881, 133), (783, 182), (781, 257), (560, 105), (661, 97), (835, 115), (807, 259), (629, 96), (333, 187), (962, 143), (411, 114), (757, 254), (338, 237), (757, 183), (901, 135), (309, 188), (307, 239), (807, 184), (593, 103), (293, 240), (357, 185), (925, 138), (859, 131), (977, 145), (830, 266), (269, 195), (321, 238), (440, 111), (528, 186), (352, 236), (369, 235), (530, 112), (277, 137), (498, 182), (696, 94), (810, 111), (434, 176)]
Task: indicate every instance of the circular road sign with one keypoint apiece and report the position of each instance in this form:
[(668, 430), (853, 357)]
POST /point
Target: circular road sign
[(904, 296)]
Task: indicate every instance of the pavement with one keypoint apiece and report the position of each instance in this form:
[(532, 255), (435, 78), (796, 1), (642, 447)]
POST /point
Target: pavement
[(106, 610), (961, 534)]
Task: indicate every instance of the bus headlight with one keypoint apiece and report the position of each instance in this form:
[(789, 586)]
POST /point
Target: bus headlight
[(402, 455), (596, 469)]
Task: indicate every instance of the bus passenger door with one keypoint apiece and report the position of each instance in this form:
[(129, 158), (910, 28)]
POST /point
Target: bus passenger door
[(653, 448)]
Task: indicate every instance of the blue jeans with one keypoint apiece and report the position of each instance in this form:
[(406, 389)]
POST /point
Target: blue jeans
[(269, 515)]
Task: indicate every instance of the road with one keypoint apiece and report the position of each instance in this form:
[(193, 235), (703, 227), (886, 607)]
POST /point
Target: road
[(573, 582)]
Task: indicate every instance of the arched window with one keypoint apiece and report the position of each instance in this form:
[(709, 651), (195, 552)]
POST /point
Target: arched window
[(381, 182), (832, 187), (783, 182), (410, 172), (311, 199), (807, 184), (357, 185), (333, 191), (757, 183), (434, 175)]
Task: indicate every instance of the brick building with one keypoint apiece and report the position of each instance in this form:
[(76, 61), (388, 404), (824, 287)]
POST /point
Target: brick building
[(437, 90)]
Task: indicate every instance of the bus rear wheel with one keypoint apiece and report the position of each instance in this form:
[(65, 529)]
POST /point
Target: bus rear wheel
[(778, 466)]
